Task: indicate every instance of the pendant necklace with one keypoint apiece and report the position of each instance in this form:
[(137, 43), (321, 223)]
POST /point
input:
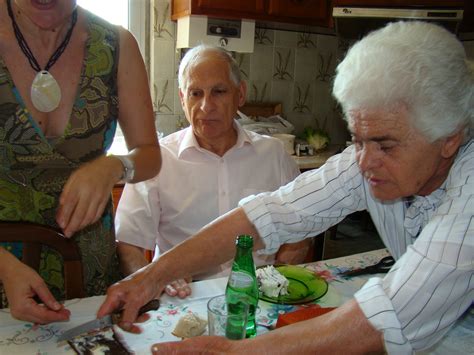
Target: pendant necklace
[(45, 92)]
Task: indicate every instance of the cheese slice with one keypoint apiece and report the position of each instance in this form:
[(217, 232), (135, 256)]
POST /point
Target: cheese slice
[(272, 282)]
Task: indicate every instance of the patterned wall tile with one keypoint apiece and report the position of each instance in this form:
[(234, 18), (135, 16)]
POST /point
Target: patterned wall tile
[(327, 43), (305, 64), (166, 123), (243, 60), (285, 39), (261, 63), (164, 99), (326, 63), (303, 97), (178, 108), (284, 64), (306, 40), (164, 60), (163, 27), (258, 91), (282, 91), (264, 36)]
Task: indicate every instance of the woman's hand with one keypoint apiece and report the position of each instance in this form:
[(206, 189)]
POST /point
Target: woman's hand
[(22, 285), (86, 193)]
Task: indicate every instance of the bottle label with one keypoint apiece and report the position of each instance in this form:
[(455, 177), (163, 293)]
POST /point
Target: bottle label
[(239, 279)]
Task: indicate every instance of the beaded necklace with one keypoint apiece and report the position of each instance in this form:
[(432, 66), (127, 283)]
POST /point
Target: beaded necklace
[(45, 92)]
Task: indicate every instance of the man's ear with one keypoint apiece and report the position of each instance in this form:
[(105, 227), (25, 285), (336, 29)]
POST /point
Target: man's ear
[(242, 92), (451, 144), (181, 98)]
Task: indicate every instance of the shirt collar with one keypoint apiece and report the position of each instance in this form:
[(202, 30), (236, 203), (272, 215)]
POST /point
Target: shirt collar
[(189, 140)]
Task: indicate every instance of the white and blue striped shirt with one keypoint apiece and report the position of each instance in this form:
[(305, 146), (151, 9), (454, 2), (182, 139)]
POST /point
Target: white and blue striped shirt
[(432, 239)]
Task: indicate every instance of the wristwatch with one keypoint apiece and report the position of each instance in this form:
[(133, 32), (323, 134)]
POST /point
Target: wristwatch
[(128, 168)]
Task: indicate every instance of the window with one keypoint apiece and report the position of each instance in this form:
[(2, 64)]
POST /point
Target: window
[(126, 13), (114, 11), (130, 14)]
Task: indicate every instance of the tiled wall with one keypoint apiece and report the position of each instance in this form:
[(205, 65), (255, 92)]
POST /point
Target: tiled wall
[(293, 68)]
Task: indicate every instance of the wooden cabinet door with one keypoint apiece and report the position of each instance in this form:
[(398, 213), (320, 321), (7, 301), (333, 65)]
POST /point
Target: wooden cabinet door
[(303, 9), (226, 6)]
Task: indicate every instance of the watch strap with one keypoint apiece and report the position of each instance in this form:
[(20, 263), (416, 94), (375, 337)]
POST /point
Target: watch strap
[(128, 168)]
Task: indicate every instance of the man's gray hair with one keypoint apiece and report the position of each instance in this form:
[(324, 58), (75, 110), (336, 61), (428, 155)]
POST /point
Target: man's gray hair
[(195, 55), (418, 64)]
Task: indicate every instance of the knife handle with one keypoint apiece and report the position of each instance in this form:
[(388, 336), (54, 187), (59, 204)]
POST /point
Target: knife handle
[(152, 305)]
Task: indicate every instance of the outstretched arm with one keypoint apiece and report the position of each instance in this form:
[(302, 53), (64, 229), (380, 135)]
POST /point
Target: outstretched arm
[(212, 246), (87, 190), (344, 330)]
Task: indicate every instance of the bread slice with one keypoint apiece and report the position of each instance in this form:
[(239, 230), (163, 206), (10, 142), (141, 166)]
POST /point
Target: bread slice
[(190, 325)]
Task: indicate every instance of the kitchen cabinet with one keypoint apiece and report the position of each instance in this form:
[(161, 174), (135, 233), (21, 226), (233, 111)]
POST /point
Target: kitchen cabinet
[(299, 9), (218, 8), (300, 12)]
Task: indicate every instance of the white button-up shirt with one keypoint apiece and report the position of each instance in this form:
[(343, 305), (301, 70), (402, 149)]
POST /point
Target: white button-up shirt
[(195, 186), (432, 239)]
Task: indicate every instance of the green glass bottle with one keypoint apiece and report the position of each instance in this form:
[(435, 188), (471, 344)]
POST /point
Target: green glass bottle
[(242, 288)]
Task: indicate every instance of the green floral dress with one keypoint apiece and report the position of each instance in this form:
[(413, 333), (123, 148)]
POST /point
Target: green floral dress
[(33, 170)]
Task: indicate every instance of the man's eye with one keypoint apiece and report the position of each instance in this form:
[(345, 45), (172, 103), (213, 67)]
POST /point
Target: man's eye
[(194, 93), (219, 91)]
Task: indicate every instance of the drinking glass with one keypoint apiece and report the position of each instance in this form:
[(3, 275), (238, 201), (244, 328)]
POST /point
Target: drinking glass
[(222, 323)]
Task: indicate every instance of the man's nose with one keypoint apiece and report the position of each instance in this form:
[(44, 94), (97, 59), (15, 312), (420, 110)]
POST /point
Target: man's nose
[(368, 157), (207, 103)]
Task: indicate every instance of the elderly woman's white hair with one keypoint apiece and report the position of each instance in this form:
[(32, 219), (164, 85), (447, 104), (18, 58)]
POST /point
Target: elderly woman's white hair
[(197, 54), (418, 64)]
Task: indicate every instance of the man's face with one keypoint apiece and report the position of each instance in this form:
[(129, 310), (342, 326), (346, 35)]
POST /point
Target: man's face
[(211, 99), (394, 158)]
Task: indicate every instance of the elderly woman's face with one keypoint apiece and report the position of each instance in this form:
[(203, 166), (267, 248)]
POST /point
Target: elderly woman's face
[(394, 158), (46, 14)]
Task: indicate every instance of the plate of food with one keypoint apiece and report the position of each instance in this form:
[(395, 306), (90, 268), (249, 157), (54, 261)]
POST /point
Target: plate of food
[(290, 284)]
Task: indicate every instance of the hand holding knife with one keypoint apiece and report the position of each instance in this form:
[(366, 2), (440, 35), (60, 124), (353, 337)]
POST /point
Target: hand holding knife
[(104, 322)]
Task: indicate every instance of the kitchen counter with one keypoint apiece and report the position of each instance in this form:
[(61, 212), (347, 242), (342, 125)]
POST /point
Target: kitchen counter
[(308, 162)]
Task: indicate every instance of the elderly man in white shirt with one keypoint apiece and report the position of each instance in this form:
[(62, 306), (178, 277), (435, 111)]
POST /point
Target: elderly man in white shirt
[(207, 168), (407, 92)]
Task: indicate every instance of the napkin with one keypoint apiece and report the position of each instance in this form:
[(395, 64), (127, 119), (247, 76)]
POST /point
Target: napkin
[(302, 314)]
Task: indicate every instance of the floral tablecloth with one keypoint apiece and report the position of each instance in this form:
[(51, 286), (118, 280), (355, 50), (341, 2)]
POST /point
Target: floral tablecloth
[(22, 338)]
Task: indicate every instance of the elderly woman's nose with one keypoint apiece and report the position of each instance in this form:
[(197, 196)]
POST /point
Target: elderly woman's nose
[(368, 157)]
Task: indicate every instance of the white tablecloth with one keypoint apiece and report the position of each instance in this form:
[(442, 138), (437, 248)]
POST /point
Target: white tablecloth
[(18, 337)]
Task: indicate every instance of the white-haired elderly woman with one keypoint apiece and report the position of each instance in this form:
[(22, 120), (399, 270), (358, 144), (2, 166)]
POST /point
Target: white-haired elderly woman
[(408, 97)]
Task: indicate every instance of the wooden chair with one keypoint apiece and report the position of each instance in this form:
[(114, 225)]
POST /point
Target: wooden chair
[(33, 236)]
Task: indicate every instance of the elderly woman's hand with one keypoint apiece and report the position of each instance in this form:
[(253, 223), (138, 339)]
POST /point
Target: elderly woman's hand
[(86, 194), (22, 285)]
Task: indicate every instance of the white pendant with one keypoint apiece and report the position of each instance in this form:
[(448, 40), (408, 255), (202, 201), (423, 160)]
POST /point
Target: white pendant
[(45, 92)]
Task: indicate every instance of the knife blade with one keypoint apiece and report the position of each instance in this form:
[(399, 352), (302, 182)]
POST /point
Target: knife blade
[(104, 322)]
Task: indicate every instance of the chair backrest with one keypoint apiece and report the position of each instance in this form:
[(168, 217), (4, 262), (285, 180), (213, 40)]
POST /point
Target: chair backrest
[(33, 236)]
